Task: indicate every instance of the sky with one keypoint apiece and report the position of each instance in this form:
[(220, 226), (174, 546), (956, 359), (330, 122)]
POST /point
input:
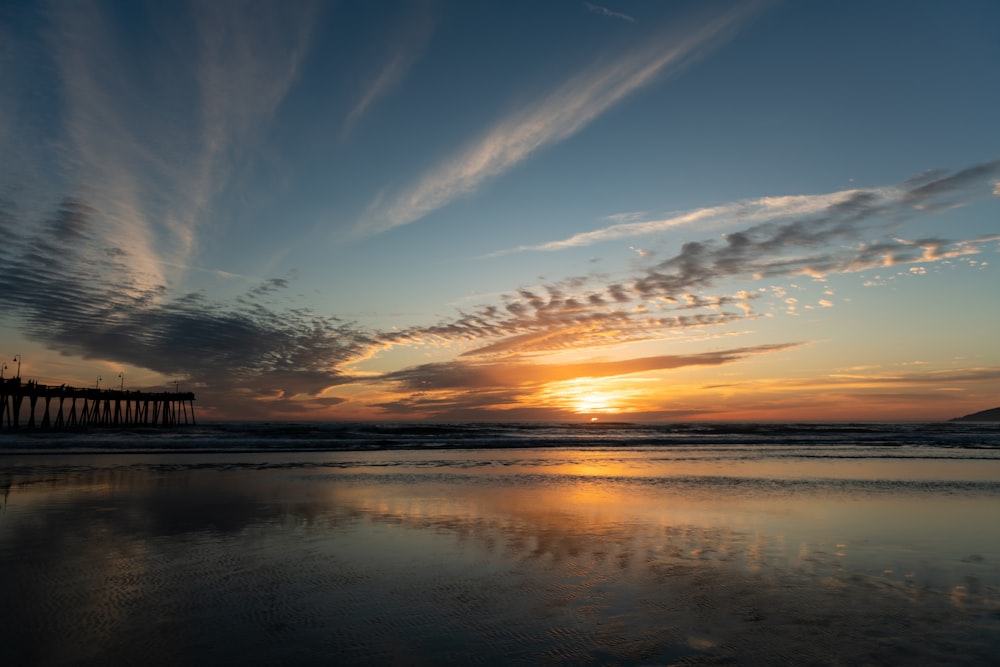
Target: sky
[(506, 211)]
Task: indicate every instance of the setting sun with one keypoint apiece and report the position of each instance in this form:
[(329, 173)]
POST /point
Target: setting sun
[(590, 395), (596, 402)]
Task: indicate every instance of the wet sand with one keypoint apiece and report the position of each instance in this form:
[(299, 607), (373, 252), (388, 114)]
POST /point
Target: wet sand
[(526, 557)]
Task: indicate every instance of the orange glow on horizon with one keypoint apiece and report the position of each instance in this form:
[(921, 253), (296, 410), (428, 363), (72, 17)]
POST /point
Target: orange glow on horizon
[(596, 402), (588, 396)]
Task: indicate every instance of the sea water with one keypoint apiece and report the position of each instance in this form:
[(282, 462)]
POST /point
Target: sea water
[(502, 544)]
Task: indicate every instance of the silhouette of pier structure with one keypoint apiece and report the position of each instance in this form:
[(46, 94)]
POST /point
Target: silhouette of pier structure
[(34, 406)]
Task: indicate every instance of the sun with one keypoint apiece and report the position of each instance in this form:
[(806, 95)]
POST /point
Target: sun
[(589, 396), (595, 401)]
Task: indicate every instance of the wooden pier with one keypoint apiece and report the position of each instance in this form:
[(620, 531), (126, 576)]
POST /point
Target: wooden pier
[(34, 406)]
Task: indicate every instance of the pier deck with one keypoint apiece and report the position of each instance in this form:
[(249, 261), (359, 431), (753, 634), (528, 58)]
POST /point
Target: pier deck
[(60, 407)]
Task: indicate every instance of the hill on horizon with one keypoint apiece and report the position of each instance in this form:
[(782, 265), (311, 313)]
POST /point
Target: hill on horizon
[(992, 415)]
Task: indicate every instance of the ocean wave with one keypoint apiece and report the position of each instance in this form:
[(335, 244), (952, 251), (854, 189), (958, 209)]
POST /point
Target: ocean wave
[(362, 436)]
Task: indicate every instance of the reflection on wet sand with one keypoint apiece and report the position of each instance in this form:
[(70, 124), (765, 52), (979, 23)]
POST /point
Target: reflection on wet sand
[(263, 564)]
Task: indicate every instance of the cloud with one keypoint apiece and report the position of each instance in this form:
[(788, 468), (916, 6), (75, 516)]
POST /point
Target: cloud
[(152, 131), (752, 210), (938, 192), (269, 286), (607, 12), (471, 389), (106, 152), (802, 235), (926, 192), (566, 111), (405, 50), (803, 245), (250, 56), (477, 375), (550, 319), (62, 283), (932, 378), (748, 256), (103, 310), (290, 357)]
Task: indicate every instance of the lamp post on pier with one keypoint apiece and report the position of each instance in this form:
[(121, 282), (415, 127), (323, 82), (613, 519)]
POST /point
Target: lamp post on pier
[(99, 378), (17, 358), (122, 376)]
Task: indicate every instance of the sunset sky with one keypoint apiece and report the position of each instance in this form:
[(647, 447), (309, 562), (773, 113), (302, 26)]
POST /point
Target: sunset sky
[(629, 210)]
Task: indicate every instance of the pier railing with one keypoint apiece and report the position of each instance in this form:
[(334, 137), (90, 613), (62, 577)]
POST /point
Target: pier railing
[(29, 405)]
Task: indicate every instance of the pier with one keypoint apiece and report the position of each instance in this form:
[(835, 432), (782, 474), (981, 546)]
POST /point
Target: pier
[(33, 406)]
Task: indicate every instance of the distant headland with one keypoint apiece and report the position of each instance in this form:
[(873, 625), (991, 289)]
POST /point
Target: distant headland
[(992, 415)]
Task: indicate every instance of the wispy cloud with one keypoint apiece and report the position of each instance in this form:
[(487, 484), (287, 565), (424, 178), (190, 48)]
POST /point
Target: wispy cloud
[(714, 217), (151, 141), (563, 113), (8, 83), (925, 192), (404, 52), (250, 55), (607, 12), (937, 378), (105, 149)]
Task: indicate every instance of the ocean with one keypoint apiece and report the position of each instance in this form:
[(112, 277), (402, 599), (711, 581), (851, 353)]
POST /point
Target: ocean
[(340, 436), (497, 544)]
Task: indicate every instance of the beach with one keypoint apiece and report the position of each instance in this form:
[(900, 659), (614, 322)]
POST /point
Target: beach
[(740, 553)]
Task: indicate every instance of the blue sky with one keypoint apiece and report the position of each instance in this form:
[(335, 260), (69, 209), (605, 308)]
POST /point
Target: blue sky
[(479, 210)]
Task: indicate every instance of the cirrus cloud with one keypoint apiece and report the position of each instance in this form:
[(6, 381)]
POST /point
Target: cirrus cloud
[(564, 112)]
